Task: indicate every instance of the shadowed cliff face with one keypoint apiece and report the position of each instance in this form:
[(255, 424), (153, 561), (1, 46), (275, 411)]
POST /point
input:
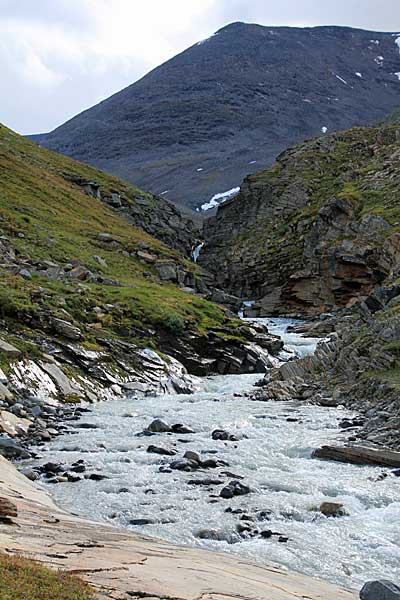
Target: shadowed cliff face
[(199, 123), (317, 230)]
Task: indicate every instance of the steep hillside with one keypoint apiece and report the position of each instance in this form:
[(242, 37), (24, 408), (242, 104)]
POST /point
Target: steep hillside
[(81, 287), (199, 123), (317, 230)]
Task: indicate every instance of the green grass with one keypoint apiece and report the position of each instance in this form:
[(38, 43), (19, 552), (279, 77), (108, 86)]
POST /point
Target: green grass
[(46, 217), (23, 579)]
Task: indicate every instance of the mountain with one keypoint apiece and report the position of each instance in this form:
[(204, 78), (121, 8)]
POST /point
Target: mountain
[(317, 231), (196, 125)]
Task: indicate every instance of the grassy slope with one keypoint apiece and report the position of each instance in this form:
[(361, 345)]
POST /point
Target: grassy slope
[(45, 217), (22, 579)]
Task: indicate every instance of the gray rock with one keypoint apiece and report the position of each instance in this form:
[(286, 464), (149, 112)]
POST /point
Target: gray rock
[(10, 449), (234, 488), (380, 590), (66, 329), (159, 426), (183, 464), (9, 349), (163, 451), (190, 455), (25, 274)]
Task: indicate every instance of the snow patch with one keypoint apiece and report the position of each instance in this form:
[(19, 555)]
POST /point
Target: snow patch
[(252, 162), (341, 79), (206, 39), (359, 75), (218, 198), (164, 192), (397, 75), (376, 42), (324, 129), (379, 60), (397, 42), (198, 170), (307, 100)]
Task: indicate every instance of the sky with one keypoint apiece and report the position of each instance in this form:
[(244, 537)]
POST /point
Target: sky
[(59, 57)]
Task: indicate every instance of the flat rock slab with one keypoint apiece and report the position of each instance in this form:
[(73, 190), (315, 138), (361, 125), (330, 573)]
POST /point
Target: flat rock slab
[(359, 455), (123, 565)]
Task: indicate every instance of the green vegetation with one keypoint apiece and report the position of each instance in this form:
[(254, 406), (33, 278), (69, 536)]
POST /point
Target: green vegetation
[(23, 579), (46, 217)]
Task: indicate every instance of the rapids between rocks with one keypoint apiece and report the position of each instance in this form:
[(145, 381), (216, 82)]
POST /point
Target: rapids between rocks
[(272, 455)]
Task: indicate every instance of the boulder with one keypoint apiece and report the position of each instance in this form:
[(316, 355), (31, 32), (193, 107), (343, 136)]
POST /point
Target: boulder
[(166, 271), (380, 590), (13, 425), (159, 426), (9, 449), (66, 329), (9, 349), (234, 488), (332, 509), (163, 451)]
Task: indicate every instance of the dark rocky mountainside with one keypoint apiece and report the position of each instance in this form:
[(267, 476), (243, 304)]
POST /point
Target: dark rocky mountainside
[(316, 231), (199, 123)]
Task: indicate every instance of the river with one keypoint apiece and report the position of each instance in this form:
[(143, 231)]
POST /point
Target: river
[(272, 454)]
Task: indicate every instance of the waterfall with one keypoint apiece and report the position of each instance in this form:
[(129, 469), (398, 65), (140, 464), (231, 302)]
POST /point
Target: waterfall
[(196, 251)]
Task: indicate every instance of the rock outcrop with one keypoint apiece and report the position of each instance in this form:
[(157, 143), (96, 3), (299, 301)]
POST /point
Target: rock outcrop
[(315, 232)]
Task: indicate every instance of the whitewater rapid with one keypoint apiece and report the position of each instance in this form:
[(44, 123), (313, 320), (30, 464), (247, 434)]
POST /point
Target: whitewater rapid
[(272, 454)]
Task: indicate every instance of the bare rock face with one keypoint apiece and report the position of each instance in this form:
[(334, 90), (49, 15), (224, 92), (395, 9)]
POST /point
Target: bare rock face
[(380, 590), (315, 232), (199, 123)]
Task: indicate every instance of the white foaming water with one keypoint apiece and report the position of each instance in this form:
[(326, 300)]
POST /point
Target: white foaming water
[(274, 457)]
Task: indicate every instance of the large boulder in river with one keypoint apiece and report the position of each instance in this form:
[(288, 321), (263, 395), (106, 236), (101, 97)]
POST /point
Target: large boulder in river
[(234, 488), (380, 590), (159, 426)]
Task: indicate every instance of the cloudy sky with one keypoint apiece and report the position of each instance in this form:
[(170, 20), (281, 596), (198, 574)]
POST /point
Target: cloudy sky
[(58, 57)]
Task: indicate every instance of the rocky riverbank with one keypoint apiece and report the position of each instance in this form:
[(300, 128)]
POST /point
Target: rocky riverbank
[(120, 565)]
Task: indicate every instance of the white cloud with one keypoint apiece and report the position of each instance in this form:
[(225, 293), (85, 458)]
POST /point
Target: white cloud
[(58, 57)]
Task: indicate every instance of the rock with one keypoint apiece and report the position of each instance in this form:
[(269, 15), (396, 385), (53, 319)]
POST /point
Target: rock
[(163, 451), (25, 274), (217, 535), (100, 260), (359, 455), (13, 425), (30, 474), (380, 590), (105, 237), (66, 329), (140, 522), (7, 510), (3, 378), (234, 488), (5, 393), (159, 426), (96, 477), (9, 349), (10, 449), (182, 429), (166, 270), (190, 455), (332, 509), (183, 464), (206, 481), (221, 434)]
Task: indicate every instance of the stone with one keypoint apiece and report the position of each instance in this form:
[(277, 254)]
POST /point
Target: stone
[(163, 451), (105, 237), (100, 260), (3, 378), (13, 425), (332, 509), (9, 449), (159, 426), (221, 434), (182, 429), (183, 464), (66, 329), (359, 455), (5, 393), (190, 455), (166, 271), (25, 274), (9, 349), (140, 522), (234, 488), (380, 590)]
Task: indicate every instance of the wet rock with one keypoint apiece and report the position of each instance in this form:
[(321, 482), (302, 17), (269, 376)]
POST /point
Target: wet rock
[(332, 509), (221, 434), (183, 464), (140, 522), (182, 429), (30, 474), (96, 477), (359, 455), (234, 488), (159, 426), (283, 539), (380, 590), (158, 450), (10, 449), (191, 455), (207, 481), (217, 535)]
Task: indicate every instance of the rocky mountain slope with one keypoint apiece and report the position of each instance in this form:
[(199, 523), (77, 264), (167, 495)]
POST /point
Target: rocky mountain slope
[(196, 125), (318, 230), (91, 305)]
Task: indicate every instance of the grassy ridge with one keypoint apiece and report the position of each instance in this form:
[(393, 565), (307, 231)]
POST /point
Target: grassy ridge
[(45, 217)]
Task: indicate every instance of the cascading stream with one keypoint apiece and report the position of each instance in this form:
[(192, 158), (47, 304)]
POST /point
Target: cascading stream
[(272, 454)]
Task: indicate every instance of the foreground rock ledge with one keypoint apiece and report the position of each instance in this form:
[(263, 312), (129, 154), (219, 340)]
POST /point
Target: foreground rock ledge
[(123, 566)]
